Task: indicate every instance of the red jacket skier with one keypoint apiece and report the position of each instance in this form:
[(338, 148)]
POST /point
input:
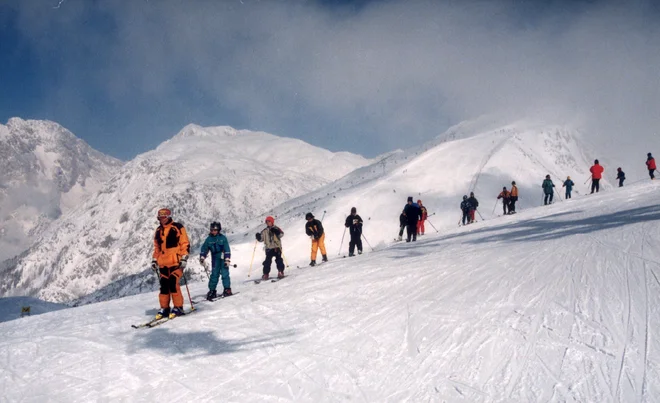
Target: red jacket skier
[(596, 173), (650, 164)]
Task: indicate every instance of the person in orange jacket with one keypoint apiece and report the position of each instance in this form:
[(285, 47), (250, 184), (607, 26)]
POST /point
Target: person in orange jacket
[(171, 249), (596, 174), (513, 198), (650, 165), (505, 195), (420, 223)]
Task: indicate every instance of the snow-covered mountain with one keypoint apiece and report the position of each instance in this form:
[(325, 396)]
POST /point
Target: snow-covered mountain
[(44, 172), (203, 174), (481, 156), (554, 304)]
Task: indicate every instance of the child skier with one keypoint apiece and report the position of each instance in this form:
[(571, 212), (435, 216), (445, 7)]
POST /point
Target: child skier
[(621, 176), (568, 184), (314, 229), (650, 165), (420, 223), (271, 236), (548, 190), (403, 221), (217, 244), (465, 208), (354, 224), (474, 203)]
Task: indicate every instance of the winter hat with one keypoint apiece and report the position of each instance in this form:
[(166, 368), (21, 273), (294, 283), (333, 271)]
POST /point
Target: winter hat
[(649, 154), (504, 188), (410, 199), (419, 201), (471, 193), (353, 210), (547, 177), (215, 225), (513, 183), (309, 216), (595, 161), (270, 219), (164, 212), (464, 197), (618, 169)]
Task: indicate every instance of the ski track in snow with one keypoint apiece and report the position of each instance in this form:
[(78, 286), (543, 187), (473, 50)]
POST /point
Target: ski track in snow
[(556, 304)]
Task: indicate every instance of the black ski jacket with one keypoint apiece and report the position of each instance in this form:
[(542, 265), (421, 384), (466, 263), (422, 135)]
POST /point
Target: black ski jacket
[(354, 222), (314, 228), (473, 202), (413, 213)]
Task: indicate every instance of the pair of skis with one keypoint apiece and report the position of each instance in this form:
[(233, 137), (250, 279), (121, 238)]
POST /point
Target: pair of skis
[(157, 322), (272, 280)]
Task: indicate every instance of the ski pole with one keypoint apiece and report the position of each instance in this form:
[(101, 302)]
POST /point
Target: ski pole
[(436, 230), (365, 239), (589, 178), (192, 307), (557, 193), (323, 215), (206, 269), (284, 257), (342, 242), (495, 206), (252, 260), (482, 218)]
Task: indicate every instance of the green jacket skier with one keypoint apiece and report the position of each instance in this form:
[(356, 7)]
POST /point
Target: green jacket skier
[(217, 244)]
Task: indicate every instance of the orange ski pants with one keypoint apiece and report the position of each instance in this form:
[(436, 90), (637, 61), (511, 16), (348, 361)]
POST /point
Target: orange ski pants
[(318, 244)]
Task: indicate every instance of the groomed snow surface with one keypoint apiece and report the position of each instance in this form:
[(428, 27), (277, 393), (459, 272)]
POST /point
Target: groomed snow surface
[(557, 303)]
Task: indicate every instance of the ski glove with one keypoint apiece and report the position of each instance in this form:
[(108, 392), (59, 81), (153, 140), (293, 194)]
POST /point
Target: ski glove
[(201, 260), (227, 262), (154, 265), (183, 262), (258, 236), (275, 231)]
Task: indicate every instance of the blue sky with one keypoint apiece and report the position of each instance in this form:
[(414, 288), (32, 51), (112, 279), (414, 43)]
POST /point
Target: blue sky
[(366, 76)]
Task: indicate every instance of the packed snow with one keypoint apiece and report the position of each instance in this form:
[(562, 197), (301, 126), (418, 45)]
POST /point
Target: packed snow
[(553, 304)]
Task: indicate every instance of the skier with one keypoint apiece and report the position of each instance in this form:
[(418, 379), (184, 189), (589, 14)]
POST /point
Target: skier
[(650, 164), (513, 198), (474, 203), (568, 183), (548, 189), (403, 222), (596, 173), (171, 249), (217, 244), (413, 214), (504, 195), (271, 236), (465, 208), (621, 176), (314, 229), (354, 224), (420, 223)]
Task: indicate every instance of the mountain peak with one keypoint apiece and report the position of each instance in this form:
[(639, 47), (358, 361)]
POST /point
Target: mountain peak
[(194, 130)]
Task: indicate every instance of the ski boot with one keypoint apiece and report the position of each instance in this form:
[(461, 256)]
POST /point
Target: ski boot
[(163, 313), (325, 258), (211, 295), (227, 293), (359, 252), (400, 238), (176, 311), (351, 254), (312, 263), (280, 274), (265, 276)]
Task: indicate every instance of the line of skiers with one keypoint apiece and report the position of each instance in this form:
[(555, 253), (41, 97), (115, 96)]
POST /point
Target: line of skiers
[(412, 219)]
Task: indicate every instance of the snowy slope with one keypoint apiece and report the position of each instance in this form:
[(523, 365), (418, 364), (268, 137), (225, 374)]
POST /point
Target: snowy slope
[(10, 308), (555, 304), (478, 156), (203, 174), (44, 171)]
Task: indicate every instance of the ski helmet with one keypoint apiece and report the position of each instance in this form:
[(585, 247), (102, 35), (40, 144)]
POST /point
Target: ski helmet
[(270, 219), (464, 197), (216, 225), (309, 216), (164, 212)]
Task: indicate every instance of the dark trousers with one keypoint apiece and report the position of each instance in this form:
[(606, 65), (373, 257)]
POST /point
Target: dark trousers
[(505, 205), (512, 203), (411, 231), (548, 198), (651, 171), (356, 240), (621, 182), (568, 194), (595, 185), (466, 216), (270, 254), (401, 229)]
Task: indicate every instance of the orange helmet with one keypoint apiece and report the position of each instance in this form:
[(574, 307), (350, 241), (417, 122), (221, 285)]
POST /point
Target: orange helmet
[(164, 212), (270, 219)]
